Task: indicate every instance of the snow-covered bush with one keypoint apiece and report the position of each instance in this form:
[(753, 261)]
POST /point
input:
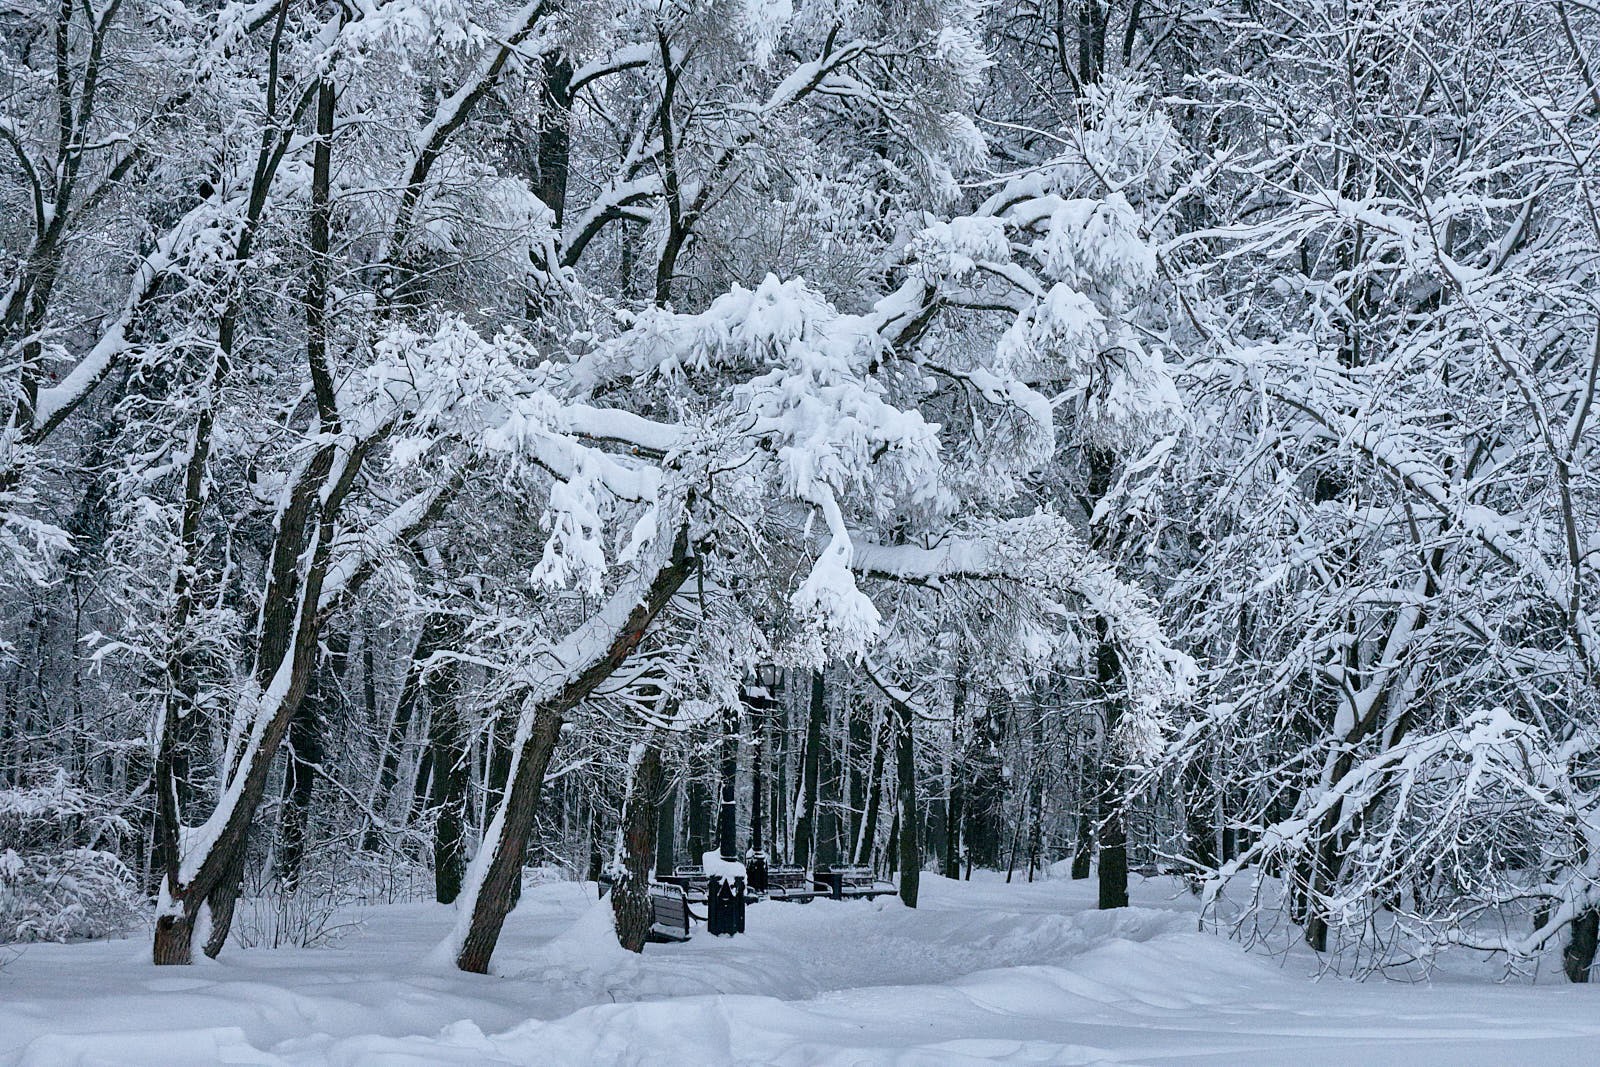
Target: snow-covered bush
[(65, 896), (53, 887)]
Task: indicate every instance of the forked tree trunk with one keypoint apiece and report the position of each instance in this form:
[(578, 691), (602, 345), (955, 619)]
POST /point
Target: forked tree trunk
[(630, 898), (506, 842)]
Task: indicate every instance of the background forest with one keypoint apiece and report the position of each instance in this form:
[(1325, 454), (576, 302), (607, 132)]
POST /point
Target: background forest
[(441, 438)]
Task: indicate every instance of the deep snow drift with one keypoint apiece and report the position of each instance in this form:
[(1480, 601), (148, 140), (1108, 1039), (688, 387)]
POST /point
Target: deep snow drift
[(981, 972)]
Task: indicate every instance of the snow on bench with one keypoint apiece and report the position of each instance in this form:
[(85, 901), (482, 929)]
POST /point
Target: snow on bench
[(849, 883), (670, 916), (691, 878), (787, 881)]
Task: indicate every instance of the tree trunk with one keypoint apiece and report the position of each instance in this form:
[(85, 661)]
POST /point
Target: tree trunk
[(758, 713), (1083, 857), (728, 811), (450, 755), (665, 833), (698, 831), (503, 737), (830, 780), (299, 783), (630, 897), (1091, 40), (953, 813), (399, 727), (555, 137), (858, 757), (506, 841), (804, 845), (308, 742), (1578, 955), (906, 775), (1113, 832), (869, 824)]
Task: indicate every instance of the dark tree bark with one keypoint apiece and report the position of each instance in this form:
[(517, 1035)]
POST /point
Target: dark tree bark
[(1578, 956), (728, 809), (1083, 856), (894, 843), (555, 136), (830, 799), (630, 897), (758, 706), (665, 832), (493, 898), (953, 812), (299, 782), (1200, 832), (857, 759), (779, 722), (906, 775), (1113, 833), (698, 831), (1130, 33), (1091, 40), (451, 752)]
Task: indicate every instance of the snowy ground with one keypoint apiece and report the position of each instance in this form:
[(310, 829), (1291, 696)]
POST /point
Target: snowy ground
[(982, 972)]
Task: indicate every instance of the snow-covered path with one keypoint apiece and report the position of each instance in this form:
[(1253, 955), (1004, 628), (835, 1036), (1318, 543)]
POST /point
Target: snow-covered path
[(982, 972)]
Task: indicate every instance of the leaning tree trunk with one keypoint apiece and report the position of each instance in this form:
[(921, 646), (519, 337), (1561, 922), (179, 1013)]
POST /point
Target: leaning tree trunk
[(499, 862), (630, 897), (286, 656)]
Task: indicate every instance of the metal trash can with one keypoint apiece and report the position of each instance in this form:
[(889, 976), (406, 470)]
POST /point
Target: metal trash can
[(724, 906), (756, 864)]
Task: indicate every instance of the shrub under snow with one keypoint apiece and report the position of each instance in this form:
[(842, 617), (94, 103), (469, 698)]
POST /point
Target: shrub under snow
[(52, 888)]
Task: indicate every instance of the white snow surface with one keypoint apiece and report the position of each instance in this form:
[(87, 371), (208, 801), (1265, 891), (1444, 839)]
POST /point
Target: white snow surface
[(982, 972)]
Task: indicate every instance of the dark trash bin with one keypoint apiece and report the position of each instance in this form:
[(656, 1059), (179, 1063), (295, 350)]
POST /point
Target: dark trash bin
[(756, 865), (724, 906)]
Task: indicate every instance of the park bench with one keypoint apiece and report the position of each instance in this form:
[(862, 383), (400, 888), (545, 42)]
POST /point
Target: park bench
[(789, 882), (671, 918), (669, 914), (850, 883), (691, 878)]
